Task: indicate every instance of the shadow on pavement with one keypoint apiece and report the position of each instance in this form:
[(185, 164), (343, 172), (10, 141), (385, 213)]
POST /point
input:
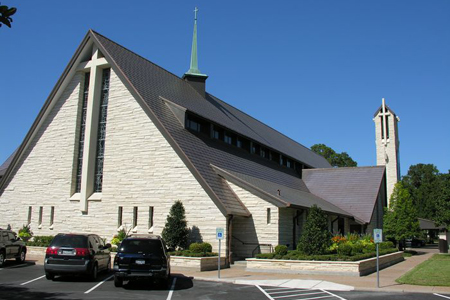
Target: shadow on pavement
[(12, 264), (82, 278), (182, 283), (15, 292)]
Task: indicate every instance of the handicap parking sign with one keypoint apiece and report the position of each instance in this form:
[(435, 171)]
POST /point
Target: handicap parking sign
[(377, 236), (219, 233)]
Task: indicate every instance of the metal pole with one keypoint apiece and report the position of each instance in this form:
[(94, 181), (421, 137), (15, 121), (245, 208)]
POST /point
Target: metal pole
[(378, 269), (218, 266)]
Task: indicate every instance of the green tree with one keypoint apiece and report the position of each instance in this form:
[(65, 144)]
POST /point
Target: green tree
[(335, 159), (175, 232), (422, 182), (400, 220), (5, 15), (443, 201), (316, 237)]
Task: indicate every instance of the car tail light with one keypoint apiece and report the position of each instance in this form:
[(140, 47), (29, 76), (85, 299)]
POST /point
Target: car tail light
[(52, 250), (82, 251)]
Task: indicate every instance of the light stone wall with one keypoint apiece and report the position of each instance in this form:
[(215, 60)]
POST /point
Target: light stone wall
[(392, 152), (140, 169), (254, 230)]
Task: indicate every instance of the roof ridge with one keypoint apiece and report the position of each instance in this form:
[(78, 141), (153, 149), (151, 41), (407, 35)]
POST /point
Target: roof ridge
[(146, 59), (340, 168), (266, 125)]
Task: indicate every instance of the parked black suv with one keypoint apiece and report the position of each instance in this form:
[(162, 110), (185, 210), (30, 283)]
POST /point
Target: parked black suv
[(76, 254), (11, 247), (141, 257)]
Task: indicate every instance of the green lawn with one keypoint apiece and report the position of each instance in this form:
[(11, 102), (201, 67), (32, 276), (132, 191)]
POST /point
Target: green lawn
[(435, 272)]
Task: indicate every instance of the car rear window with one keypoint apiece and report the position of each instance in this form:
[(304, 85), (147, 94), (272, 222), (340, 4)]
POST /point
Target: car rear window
[(141, 246), (70, 240)]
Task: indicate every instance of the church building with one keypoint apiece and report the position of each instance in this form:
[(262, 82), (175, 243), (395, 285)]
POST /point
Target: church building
[(120, 139)]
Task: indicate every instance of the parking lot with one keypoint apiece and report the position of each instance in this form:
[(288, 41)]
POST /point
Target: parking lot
[(27, 281)]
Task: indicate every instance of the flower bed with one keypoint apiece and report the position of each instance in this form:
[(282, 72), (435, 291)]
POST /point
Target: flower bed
[(345, 268)]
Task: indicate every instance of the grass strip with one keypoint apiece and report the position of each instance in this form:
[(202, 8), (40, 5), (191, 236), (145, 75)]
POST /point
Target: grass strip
[(433, 272)]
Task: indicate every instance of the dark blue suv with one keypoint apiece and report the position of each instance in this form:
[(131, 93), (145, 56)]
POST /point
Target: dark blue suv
[(141, 257)]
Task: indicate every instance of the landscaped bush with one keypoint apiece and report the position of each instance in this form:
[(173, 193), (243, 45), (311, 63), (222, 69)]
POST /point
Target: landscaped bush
[(386, 245), (296, 255), (189, 253), (200, 247), (316, 239), (281, 250), (119, 237), (41, 241), (25, 233)]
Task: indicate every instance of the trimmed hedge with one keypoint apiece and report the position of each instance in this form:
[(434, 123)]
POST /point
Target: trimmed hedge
[(188, 253), (297, 255), (200, 247), (40, 241)]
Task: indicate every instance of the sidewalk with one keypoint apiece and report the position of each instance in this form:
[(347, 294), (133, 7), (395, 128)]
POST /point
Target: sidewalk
[(238, 275)]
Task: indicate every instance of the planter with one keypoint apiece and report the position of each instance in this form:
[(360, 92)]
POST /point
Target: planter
[(341, 268), (197, 263)]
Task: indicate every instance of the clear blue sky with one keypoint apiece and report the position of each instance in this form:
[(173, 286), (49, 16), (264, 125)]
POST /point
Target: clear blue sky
[(314, 70)]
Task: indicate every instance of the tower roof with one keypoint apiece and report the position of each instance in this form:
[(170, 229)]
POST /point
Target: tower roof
[(387, 108), (193, 70)]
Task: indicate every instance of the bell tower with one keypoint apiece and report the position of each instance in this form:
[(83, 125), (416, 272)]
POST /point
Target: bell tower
[(387, 143)]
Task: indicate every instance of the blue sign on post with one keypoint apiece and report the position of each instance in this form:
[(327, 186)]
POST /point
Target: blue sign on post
[(377, 236), (219, 233)]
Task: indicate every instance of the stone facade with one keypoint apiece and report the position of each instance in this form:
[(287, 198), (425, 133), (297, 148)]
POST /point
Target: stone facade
[(140, 170), (388, 150)]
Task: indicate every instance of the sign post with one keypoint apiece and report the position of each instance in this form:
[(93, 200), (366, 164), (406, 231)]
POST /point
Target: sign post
[(378, 238), (219, 236)]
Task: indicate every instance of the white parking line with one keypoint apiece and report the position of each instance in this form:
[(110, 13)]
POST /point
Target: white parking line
[(441, 295), (171, 289), (264, 292), (339, 297), (99, 284), (32, 280), (295, 295), (321, 297)]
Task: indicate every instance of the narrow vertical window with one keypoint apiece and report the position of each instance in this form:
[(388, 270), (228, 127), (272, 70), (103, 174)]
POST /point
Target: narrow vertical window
[(150, 216), (52, 215), (101, 135), (135, 216), (268, 216), (41, 211), (30, 210), (82, 132), (387, 126), (119, 216)]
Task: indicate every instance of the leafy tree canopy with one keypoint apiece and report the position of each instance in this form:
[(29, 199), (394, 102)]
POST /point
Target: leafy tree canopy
[(400, 220), (316, 238), (175, 232), (443, 201), (334, 158), (423, 184), (5, 15)]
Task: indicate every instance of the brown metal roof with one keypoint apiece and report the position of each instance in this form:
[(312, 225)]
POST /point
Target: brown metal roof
[(354, 190)]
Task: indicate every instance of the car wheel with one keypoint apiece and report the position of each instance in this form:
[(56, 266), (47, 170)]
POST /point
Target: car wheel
[(49, 276), (118, 281), (94, 272), (22, 256), (2, 258)]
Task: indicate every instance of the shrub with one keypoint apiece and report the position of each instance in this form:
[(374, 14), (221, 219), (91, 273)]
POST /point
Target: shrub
[(357, 248), (188, 253), (386, 245), (281, 250), (345, 249), (175, 231), (25, 232), (316, 238), (41, 241), (265, 255), (200, 247), (369, 248), (119, 237)]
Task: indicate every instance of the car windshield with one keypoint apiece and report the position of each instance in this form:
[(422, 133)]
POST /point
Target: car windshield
[(141, 246), (70, 240)]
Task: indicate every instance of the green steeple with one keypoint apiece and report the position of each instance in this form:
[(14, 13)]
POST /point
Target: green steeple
[(193, 70)]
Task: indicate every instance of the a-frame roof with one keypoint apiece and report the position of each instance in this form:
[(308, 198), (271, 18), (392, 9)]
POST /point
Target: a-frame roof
[(387, 108), (152, 86)]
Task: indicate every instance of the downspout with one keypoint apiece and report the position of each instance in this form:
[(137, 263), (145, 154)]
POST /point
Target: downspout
[(229, 238)]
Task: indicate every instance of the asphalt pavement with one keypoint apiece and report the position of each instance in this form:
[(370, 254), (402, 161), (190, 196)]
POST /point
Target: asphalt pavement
[(27, 281)]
